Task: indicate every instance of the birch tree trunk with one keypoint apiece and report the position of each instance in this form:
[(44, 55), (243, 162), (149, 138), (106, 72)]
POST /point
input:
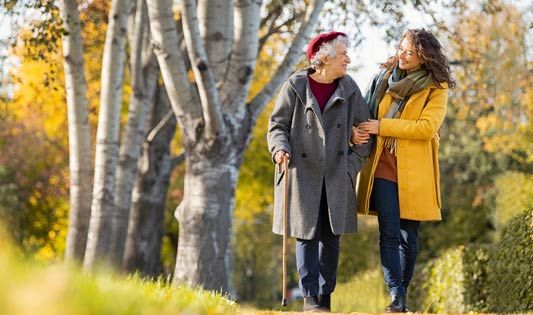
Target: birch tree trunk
[(215, 19), (80, 150), (145, 229), (216, 127), (144, 73), (107, 136), (204, 221)]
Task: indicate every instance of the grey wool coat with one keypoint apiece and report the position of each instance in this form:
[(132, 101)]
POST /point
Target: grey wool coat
[(318, 144)]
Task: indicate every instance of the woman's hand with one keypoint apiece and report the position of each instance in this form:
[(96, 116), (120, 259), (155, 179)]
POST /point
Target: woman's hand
[(359, 136), (371, 126)]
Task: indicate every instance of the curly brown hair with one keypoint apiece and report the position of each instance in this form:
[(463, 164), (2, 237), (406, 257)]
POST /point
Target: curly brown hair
[(429, 49)]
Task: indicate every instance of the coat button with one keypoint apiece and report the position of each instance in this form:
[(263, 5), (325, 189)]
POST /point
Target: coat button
[(304, 155), (308, 126), (338, 125), (402, 166), (341, 153)]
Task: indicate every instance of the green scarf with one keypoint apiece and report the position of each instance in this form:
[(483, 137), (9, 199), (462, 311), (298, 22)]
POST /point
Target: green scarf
[(400, 85)]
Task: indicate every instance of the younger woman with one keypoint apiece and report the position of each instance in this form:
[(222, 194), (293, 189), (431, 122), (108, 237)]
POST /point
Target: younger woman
[(400, 180)]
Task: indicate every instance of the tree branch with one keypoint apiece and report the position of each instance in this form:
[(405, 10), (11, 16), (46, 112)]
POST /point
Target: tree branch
[(167, 49), (153, 133), (271, 16), (273, 29), (243, 56), (209, 97), (260, 100)]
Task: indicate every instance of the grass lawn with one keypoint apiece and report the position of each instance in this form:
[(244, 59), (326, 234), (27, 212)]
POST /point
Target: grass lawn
[(29, 288)]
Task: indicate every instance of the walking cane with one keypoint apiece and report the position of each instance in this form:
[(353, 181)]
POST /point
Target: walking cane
[(285, 228)]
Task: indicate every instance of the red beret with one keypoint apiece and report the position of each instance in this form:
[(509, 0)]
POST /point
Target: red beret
[(320, 39)]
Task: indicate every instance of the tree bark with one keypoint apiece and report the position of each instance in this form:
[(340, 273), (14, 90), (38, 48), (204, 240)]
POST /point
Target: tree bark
[(145, 230), (80, 150), (107, 136), (144, 73), (216, 27), (204, 217)]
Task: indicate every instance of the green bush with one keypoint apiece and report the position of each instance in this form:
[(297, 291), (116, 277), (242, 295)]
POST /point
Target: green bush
[(476, 266), (496, 277), (454, 282), (511, 266)]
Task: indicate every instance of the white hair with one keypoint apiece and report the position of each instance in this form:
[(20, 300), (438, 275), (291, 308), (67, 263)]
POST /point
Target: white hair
[(328, 50)]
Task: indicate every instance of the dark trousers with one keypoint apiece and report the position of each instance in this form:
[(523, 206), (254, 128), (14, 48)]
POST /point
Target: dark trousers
[(398, 238), (317, 259)]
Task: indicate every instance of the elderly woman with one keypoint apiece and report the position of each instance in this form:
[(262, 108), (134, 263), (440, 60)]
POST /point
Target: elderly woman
[(400, 181), (311, 125)]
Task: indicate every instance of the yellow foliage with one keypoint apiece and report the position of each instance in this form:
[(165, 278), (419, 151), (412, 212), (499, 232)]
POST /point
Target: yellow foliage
[(35, 103), (33, 201), (494, 84), (45, 253)]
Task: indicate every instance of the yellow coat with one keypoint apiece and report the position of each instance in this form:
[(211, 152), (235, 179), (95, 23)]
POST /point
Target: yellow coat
[(416, 153)]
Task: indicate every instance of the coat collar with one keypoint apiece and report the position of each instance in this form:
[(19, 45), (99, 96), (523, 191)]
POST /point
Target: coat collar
[(383, 109), (300, 84)]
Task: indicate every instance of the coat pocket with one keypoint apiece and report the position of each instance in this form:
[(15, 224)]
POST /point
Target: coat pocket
[(351, 179), (354, 163)]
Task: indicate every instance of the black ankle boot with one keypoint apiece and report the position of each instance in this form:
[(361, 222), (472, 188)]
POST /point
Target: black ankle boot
[(397, 305), (325, 301)]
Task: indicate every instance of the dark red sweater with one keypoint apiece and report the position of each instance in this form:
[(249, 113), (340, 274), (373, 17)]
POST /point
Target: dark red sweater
[(322, 91)]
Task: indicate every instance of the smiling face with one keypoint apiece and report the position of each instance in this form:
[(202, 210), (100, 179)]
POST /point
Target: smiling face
[(338, 65), (408, 59)]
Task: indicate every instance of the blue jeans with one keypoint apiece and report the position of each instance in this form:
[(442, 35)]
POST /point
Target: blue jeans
[(317, 259), (398, 238)]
